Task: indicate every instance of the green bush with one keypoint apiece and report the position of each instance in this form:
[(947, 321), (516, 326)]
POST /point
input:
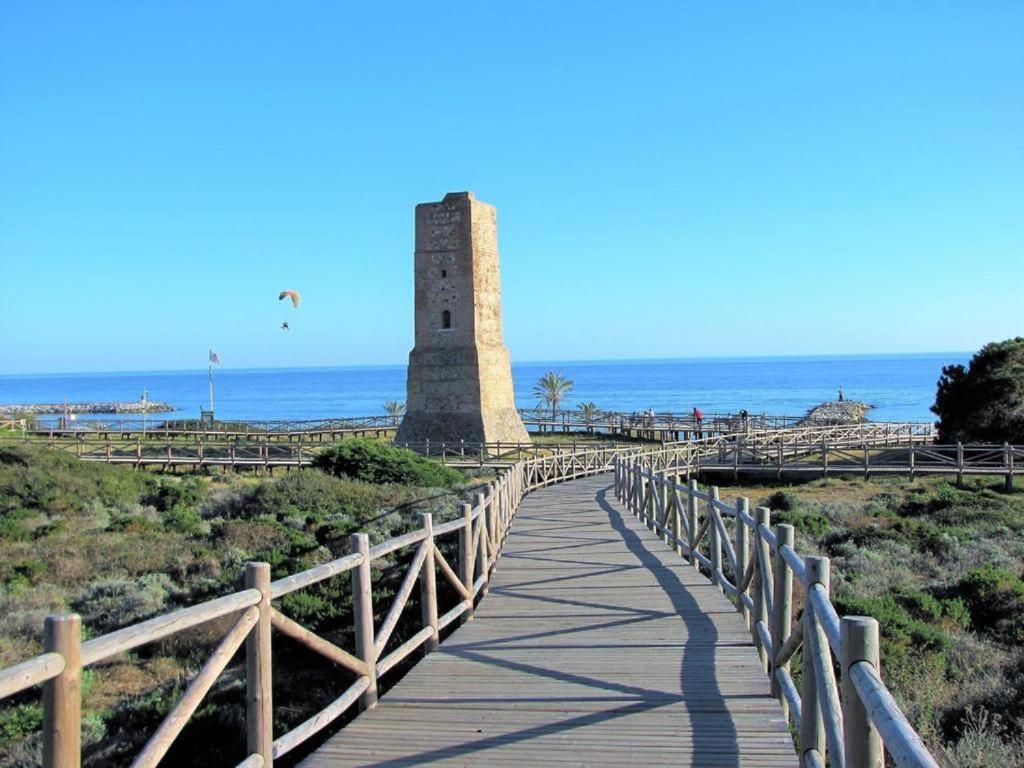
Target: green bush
[(915, 651), (814, 524), (995, 599), (780, 501), (187, 492), (375, 462), (19, 721)]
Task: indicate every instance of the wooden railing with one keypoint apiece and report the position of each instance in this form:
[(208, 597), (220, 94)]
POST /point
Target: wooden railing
[(843, 723), (864, 458), (17, 425), (481, 528), (644, 479), (201, 453), (660, 425)]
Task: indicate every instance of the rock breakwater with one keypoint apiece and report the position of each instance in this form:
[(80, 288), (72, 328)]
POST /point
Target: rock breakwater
[(42, 409), (838, 412)]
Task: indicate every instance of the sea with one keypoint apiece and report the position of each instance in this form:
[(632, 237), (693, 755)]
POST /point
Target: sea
[(900, 387)]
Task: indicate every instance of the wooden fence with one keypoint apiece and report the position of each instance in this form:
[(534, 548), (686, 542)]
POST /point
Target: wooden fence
[(660, 426), (259, 453), (845, 722), (847, 457), (481, 529), (848, 730), (265, 455)]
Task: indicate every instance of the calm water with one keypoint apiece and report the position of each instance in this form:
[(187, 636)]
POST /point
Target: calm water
[(901, 387)]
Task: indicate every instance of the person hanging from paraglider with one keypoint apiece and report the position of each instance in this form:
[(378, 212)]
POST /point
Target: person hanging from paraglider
[(296, 298)]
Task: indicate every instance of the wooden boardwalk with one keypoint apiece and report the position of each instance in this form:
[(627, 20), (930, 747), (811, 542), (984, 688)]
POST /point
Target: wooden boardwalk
[(596, 646)]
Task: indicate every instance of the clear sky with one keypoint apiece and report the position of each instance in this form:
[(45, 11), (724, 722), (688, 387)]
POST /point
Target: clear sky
[(672, 180)]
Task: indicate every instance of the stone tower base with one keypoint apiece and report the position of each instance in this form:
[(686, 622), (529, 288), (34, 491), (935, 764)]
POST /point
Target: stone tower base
[(448, 393)]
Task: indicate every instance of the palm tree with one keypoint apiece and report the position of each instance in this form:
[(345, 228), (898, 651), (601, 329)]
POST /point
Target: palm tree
[(589, 412), (394, 409), (551, 388)]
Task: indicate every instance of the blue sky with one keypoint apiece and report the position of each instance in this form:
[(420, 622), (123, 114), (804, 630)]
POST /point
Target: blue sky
[(672, 180)]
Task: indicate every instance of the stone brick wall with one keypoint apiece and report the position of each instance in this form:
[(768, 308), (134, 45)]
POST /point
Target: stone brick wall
[(460, 378)]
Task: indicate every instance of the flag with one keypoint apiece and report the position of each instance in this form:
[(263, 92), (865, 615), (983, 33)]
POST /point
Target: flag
[(214, 359)]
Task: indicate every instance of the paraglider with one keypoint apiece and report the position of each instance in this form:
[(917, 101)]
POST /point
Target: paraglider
[(293, 295), (296, 298)]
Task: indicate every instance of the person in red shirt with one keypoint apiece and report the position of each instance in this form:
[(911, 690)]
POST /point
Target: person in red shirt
[(698, 417)]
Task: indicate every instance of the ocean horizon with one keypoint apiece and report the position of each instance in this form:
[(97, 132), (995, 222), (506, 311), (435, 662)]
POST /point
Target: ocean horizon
[(899, 386)]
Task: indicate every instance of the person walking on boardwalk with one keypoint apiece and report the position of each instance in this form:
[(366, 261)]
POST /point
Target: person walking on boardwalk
[(698, 417)]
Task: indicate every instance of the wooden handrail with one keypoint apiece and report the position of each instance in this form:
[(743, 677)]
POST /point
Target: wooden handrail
[(672, 508), (845, 722)]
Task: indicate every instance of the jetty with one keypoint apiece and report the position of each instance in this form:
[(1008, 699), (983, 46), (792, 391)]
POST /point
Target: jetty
[(44, 409)]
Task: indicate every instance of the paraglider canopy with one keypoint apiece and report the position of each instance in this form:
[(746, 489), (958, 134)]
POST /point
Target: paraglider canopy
[(293, 295)]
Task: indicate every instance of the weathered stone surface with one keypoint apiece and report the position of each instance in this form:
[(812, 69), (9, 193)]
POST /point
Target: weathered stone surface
[(838, 412), (460, 378)]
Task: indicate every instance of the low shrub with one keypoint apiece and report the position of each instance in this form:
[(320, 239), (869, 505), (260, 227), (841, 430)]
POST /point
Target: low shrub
[(19, 721), (375, 462), (813, 523), (780, 501), (995, 599), (114, 603)]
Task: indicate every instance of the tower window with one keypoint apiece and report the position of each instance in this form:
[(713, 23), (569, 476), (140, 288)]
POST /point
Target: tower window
[(446, 319), (444, 273)]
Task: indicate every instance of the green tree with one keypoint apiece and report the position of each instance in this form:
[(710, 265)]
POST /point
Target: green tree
[(590, 413), (984, 402), (394, 409), (552, 388)]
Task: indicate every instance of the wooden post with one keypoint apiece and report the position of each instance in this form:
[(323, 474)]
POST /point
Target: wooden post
[(862, 746), (691, 521), (362, 615), (62, 696), (663, 501), (467, 556), (496, 497), (480, 542), (716, 539), (742, 547), (1008, 461), (959, 463), (677, 528), (428, 584), (763, 553), (259, 713), (782, 606), (910, 459), (812, 723)]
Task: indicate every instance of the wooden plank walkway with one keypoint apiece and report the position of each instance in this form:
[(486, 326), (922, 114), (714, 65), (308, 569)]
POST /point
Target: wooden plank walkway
[(596, 646)]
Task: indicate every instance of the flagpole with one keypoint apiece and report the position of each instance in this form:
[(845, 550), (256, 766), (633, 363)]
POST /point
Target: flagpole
[(211, 381)]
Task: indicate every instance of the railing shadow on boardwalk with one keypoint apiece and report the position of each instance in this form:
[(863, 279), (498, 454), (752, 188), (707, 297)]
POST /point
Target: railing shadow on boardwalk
[(710, 720), (699, 651)]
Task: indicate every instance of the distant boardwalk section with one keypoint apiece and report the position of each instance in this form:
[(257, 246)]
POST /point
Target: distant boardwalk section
[(460, 378)]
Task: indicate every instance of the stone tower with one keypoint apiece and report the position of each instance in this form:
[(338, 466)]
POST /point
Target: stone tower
[(460, 378)]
